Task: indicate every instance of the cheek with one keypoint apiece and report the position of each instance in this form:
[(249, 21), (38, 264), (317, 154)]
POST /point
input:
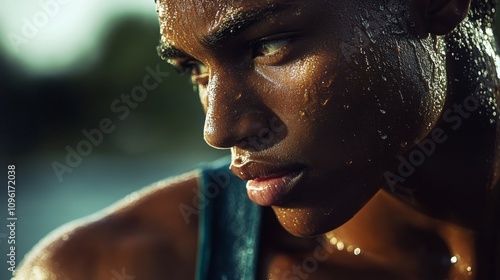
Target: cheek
[(301, 88), (366, 113), (414, 89), (396, 92), (367, 109)]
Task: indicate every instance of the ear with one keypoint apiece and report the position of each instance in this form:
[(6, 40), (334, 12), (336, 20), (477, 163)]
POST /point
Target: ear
[(438, 17)]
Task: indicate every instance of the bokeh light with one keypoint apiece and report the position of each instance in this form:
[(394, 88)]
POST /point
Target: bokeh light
[(65, 67)]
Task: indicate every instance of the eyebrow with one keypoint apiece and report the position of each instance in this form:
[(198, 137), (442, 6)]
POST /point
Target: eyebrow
[(167, 51), (229, 28), (237, 23)]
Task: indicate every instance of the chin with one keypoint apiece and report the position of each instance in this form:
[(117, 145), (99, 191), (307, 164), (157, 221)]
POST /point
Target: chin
[(319, 206), (306, 223)]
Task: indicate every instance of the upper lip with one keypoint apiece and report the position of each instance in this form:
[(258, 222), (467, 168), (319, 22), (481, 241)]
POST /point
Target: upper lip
[(253, 169)]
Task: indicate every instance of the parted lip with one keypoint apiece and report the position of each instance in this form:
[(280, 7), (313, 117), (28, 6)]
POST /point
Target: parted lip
[(262, 170)]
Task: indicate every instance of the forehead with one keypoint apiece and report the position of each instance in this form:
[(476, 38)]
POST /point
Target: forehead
[(179, 18), (209, 11)]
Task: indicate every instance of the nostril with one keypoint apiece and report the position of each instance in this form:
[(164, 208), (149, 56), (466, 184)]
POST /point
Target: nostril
[(266, 136), (238, 161), (251, 131)]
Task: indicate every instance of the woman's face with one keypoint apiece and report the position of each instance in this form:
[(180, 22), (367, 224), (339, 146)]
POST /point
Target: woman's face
[(314, 98)]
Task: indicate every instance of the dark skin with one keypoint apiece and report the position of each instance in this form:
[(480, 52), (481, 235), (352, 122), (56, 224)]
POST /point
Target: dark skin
[(330, 90), (334, 90)]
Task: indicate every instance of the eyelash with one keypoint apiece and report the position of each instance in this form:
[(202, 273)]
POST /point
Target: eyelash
[(197, 70), (191, 67), (277, 56)]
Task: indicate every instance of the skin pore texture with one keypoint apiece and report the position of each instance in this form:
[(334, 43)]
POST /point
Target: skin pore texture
[(349, 94), (354, 87), (367, 129)]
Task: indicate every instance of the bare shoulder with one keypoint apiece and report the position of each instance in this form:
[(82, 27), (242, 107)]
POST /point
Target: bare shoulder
[(144, 236)]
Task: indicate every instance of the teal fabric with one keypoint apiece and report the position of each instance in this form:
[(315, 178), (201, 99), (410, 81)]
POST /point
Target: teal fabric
[(229, 226)]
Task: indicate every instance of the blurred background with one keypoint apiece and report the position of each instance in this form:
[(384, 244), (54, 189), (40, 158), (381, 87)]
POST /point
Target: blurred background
[(65, 66)]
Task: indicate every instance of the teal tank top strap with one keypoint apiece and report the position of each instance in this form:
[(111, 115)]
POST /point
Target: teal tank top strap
[(229, 226)]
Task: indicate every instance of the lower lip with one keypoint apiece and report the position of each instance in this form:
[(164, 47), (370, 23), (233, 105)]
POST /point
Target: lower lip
[(272, 191)]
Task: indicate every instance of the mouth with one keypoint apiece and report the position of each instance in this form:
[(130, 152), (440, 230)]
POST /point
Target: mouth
[(268, 184)]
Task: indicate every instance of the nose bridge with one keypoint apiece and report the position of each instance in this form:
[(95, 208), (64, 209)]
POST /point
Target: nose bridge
[(234, 112)]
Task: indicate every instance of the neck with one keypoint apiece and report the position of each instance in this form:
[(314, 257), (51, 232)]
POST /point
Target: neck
[(453, 181), (390, 234)]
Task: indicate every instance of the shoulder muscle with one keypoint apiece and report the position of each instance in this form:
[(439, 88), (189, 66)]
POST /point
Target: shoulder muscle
[(145, 235)]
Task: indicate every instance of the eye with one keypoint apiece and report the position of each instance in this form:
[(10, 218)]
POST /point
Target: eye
[(271, 50), (197, 70), (191, 67)]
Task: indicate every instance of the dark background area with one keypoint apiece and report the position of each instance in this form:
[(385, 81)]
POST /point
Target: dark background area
[(43, 113)]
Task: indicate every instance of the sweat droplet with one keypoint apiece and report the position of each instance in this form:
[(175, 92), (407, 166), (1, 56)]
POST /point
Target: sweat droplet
[(382, 135), (382, 111), (326, 84), (306, 97)]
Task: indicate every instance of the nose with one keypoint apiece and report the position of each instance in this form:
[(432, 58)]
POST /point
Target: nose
[(235, 115)]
